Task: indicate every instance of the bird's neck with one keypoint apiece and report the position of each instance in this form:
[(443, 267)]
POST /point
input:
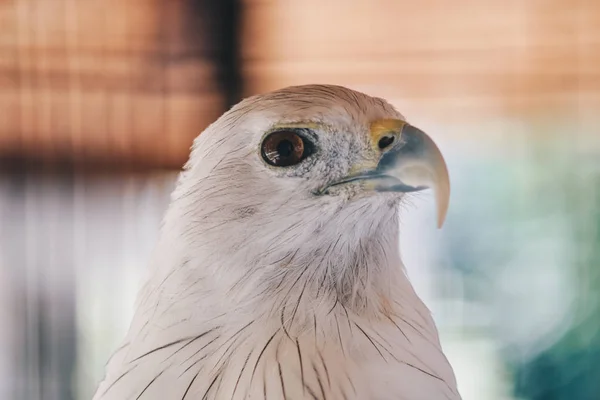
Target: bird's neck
[(366, 279), (318, 332)]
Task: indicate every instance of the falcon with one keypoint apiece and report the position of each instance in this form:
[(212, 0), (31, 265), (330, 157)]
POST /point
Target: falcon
[(277, 273)]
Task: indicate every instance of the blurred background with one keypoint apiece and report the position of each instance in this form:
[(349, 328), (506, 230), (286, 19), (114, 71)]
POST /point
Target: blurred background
[(100, 101)]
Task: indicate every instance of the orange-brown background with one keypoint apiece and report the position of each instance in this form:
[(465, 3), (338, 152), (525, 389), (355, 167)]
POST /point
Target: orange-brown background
[(126, 82)]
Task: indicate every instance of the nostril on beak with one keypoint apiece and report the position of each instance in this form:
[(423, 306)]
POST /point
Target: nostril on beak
[(385, 141)]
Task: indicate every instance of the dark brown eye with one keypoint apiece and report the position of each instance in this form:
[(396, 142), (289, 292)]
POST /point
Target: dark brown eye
[(284, 148)]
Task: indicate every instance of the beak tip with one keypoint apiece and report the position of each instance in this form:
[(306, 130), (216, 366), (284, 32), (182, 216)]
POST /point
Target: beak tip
[(442, 199), (441, 220)]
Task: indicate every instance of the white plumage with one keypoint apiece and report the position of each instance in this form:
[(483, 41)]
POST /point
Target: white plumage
[(275, 282)]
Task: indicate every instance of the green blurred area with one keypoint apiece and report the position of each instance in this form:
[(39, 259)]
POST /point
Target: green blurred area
[(524, 237)]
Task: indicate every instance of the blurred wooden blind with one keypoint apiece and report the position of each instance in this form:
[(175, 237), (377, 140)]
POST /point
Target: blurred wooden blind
[(136, 80), (442, 58), (121, 81)]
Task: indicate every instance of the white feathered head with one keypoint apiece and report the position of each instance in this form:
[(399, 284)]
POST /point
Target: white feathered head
[(308, 175)]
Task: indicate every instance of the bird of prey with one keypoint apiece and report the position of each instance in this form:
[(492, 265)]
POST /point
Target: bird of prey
[(277, 273)]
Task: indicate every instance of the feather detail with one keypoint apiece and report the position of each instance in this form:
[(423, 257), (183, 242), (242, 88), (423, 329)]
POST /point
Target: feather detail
[(260, 290)]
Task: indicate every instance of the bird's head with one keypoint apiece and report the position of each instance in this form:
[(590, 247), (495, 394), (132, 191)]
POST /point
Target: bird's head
[(304, 180)]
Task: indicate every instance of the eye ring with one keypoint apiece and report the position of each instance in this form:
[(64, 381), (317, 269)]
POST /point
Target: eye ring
[(285, 148)]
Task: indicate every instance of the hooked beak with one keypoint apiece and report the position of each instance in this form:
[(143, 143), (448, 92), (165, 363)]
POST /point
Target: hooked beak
[(411, 162)]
